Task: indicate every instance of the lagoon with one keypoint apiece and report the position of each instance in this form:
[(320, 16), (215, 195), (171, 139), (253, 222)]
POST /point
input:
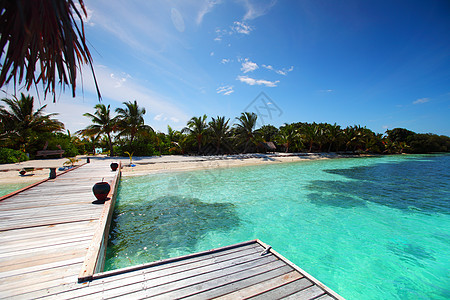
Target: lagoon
[(369, 228)]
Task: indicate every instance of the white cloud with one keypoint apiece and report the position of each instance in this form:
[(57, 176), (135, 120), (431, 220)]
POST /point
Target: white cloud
[(158, 117), (225, 61), (252, 81), (257, 8), (421, 100), (206, 8), (241, 27), (211, 54), (86, 18), (236, 28), (283, 71), (225, 90), (177, 20), (248, 66), (175, 120)]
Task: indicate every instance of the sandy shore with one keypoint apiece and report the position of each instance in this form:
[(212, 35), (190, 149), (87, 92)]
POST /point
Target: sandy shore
[(9, 173)]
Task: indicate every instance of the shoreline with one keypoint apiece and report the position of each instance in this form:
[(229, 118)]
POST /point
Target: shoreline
[(9, 173), (227, 161)]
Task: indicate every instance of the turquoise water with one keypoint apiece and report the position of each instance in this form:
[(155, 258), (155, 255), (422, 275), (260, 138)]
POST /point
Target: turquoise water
[(369, 228), (5, 189)]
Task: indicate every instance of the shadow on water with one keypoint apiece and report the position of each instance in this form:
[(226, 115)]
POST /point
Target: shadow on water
[(158, 229), (421, 185)]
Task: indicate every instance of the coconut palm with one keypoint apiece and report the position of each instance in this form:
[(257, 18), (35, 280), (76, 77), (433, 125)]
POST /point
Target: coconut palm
[(45, 33), (288, 136), (333, 133), (197, 127), (130, 121), (21, 123), (246, 128), (219, 130), (103, 124), (310, 133)]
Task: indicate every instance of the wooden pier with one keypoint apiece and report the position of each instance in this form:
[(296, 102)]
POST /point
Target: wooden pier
[(52, 242)]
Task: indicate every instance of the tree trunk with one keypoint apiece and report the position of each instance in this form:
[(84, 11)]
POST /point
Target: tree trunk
[(111, 150)]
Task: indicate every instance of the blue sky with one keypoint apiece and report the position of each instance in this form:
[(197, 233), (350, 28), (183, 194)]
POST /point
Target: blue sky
[(380, 64)]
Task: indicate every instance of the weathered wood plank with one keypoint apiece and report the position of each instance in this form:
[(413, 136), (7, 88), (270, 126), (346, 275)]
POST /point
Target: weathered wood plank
[(173, 274), (285, 290), (188, 285), (325, 297), (46, 232), (262, 286), (309, 293), (238, 284)]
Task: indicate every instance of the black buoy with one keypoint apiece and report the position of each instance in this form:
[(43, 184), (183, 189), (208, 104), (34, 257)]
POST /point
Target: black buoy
[(88, 160)]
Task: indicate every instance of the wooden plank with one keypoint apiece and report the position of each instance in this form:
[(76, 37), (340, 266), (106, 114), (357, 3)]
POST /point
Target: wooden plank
[(47, 221), (188, 285), (164, 269), (41, 267), (36, 243), (50, 248), (175, 259), (262, 286), (35, 260), (95, 255), (173, 274), (239, 284), (49, 231), (309, 293), (325, 297), (285, 290), (300, 270)]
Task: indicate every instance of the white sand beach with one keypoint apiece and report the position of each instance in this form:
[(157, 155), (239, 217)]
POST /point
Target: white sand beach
[(9, 173)]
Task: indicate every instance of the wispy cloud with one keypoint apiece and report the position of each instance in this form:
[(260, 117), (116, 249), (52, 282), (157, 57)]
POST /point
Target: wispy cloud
[(225, 90), (421, 100), (206, 7), (248, 66), (255, 9), (326, 91), (225, 60), (252, 81), (283, 71)]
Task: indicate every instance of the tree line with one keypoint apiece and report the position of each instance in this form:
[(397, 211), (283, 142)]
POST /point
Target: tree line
[(26, 130)]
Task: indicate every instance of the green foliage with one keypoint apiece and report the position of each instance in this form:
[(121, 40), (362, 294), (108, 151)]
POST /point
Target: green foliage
[(9, 156), (22, 126), (71, 161)]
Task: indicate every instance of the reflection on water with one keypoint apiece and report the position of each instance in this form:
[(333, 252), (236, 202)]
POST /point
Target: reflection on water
[(151, 229)]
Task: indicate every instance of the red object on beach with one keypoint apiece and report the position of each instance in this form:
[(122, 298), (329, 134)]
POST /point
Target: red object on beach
[(101, 190)]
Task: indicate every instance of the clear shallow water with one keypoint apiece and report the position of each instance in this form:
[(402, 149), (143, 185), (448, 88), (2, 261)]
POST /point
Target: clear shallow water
[(369, 228), (5, 189)]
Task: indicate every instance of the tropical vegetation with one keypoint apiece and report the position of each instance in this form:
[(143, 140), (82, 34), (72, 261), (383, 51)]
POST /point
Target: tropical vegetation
[(122, 131)]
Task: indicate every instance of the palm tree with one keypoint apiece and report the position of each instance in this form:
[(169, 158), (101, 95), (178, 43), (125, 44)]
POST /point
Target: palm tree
[(197, 127), (333, 133), (310, 133), (47, 34), (21, 124), (245, 128), (130, 121), (103, 124), (219, 131), (288, 135)]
